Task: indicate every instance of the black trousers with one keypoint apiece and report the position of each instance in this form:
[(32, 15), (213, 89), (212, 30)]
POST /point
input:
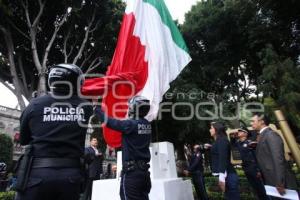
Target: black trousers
[(199, 184), (50, 184), (256, 183), (87, 195), (135, 185)]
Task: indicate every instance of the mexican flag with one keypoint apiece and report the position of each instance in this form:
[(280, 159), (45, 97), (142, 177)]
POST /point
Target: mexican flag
[(150, 54)]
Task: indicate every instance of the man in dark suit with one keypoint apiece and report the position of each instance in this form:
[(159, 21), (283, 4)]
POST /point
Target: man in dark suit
[(270, 155), (94, 159)]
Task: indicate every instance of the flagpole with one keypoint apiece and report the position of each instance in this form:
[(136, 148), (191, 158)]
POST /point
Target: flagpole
[(156, 130), (289, 136)]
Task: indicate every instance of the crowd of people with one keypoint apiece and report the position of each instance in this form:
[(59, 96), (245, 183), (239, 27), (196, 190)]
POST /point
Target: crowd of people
[(263, 161), (54, 129)]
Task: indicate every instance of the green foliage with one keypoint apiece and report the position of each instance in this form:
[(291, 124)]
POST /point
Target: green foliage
[(241, 49), (246, 191), (7, 195), (240, 173), (246, 116), (215, 193), (215, 32), (216, 35), (280, 81), (180, 132), (6, 150)]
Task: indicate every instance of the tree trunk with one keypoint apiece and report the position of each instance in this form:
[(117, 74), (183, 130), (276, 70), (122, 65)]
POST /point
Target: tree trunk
[(42, 88), (24, 81), (13, 71)]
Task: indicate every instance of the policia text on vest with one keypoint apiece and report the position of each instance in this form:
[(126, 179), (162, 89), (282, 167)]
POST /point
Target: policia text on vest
[(63, 114)]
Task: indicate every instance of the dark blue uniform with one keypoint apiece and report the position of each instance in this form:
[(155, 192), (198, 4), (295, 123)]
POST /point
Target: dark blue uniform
[(136, 138), (251, 168), (196, 170), (55, 128), (220, 163)]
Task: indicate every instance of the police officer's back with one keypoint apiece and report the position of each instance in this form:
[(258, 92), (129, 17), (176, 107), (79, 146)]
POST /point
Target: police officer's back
[(55, 126), (136, 137)]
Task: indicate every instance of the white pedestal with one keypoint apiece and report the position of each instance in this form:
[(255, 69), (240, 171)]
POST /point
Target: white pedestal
[(164, 189), (165, 183), (107, 189), (171, 189)]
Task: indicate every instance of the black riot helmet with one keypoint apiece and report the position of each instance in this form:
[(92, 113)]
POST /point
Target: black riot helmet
[(138, 107), (65, 77)]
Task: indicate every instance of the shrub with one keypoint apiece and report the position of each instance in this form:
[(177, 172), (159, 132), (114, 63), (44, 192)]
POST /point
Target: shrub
[(7, 195), (6, 150), (240, 172), (214, 191), (215, 195), (247, 196)]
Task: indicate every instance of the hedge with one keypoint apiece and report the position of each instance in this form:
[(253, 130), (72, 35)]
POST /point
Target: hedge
[(7, 195), (215, 193)]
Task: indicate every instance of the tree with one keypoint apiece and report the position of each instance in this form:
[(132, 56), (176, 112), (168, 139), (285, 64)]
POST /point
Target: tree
[(280, 82), (218, 73), (177, 121), (215, 34), (6, 150), (242, 51), (38, 34)]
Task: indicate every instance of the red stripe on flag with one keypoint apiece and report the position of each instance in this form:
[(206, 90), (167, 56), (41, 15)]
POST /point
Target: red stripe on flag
[(128, 64)]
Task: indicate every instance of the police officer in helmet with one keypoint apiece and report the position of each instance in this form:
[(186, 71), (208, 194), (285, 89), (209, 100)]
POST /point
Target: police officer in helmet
[(54, 126), (136, 137)]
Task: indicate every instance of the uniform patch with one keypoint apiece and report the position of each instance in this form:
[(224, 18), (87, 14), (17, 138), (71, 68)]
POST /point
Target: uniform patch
[(144, 129), (53, 114)]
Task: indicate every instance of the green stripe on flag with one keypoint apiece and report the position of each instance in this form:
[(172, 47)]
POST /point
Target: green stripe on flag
[(168, 21)]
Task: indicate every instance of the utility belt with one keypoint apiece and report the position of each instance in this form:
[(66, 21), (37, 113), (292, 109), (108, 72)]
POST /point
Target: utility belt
[(55, 163), (135, 165), (27, 162)]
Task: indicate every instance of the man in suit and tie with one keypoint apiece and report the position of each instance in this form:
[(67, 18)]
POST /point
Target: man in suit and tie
[(270, 155), (93, 158)]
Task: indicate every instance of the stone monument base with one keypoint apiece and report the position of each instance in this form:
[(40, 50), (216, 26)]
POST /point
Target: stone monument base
[(165, 183), (162, 189)]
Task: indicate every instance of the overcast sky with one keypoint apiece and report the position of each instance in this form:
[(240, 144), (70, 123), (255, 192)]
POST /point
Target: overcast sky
[(177, 9)]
